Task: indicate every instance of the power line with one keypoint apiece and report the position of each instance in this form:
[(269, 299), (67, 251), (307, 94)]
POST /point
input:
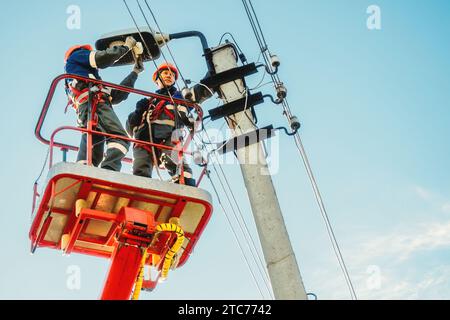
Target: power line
[(235, 235), (129, 11), (176, 112), (287, 111), (252, 251), (246, 232), (325, 217), (148, 50), (165, 42)]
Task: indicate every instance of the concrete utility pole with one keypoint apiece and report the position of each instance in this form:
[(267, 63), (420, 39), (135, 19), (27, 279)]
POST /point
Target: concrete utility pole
[(280, 259)]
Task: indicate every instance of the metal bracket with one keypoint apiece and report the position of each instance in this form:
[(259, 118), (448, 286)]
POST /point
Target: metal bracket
[(236, 106), (218, 79), (246, 139)]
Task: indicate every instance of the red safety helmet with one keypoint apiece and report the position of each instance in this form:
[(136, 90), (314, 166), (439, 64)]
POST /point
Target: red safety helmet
[(74, 48), (165, 66)]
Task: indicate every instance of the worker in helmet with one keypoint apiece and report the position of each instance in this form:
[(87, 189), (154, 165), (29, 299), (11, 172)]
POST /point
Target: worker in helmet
[(84, 61), (154, 120)]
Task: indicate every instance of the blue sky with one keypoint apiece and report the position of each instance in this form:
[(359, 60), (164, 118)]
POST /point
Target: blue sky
[(374, 105)]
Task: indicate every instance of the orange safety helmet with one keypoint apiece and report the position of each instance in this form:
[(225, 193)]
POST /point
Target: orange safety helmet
[(74, 48), (165, 66)]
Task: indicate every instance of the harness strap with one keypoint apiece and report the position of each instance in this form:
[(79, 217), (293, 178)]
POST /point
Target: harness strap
[(159, 109), (156, 112), (78, 97)]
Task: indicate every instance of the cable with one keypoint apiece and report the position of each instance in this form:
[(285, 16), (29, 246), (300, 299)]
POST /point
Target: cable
[(179, 70), (176, 113), (261, 81), (162, 37), (150, 135), (287, 112), (36, 182), (165, 42), (43, 167), (242, 56), (234, 234), (312, 295), (246, 232), (237, 123), (245, 225), (121, 57), (228, 33), (165, 59), (148, 50), (207, 88), (259, 26), (252, 23), (323, 211), (278, 101), (286, 131), (263, 47), (263, 273)]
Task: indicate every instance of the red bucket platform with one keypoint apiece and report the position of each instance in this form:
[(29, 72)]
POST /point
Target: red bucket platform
[(93, 211)]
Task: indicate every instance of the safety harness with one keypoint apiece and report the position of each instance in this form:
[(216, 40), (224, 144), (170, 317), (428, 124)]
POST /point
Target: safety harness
[(79, 97), (153, 114), (158, 110)]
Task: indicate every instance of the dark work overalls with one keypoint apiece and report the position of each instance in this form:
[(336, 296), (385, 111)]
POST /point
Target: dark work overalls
[(86, 63), (161, 117)]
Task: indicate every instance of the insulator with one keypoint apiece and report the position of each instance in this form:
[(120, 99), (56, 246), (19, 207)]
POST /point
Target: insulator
[(281, 91), (295, 123), (275, 61)]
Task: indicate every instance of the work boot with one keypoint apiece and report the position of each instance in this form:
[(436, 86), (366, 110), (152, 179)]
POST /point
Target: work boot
[(187, 181), (114, 155), (190, 182)]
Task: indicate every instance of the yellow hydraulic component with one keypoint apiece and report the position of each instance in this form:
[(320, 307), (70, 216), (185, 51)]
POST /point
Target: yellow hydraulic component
[(140, 277), (155, 259), (168, 227), (171, 227)]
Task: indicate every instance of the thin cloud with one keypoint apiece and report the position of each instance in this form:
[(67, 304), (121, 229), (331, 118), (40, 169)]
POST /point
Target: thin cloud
[(446, 207), (431, 285), (391, 254), (433, 198), (404, 244), (423, 193)]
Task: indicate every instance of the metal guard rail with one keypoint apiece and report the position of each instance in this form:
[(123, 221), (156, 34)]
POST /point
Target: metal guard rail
[(51, 142), (56, 81)]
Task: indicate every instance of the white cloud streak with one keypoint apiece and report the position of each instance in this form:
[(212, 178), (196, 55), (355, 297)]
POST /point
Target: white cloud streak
[(403, 244), (385, 265), (399, 277)]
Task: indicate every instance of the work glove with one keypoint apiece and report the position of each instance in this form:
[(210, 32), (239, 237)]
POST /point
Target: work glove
[(130, 42), (138, 49), (139, 65)]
